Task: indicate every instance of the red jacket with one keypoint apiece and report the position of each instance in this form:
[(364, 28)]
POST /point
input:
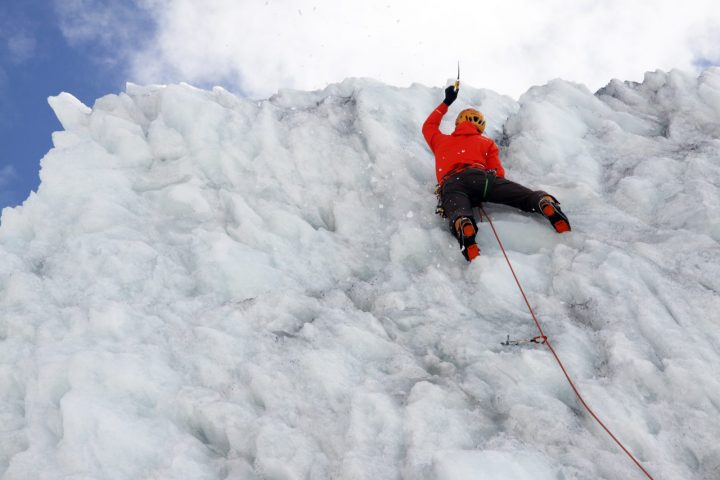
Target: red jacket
[(465, 146)]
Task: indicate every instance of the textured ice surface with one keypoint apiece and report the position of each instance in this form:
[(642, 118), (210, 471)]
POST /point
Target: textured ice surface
[(208, 287)]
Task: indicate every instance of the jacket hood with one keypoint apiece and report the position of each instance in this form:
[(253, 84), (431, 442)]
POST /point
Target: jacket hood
[(466, 128)]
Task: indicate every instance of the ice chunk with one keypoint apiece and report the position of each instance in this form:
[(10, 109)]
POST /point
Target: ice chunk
[(71, 112)]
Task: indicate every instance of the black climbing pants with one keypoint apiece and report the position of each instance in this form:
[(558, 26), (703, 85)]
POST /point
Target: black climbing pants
[(470, 187)]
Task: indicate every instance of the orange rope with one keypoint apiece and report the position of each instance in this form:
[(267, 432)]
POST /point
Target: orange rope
[(552, 350)]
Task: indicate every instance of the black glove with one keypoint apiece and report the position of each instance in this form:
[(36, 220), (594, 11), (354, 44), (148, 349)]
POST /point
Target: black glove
[(450, 95)]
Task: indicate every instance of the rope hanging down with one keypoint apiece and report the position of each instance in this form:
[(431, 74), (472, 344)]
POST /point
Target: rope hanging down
[(546, 341)]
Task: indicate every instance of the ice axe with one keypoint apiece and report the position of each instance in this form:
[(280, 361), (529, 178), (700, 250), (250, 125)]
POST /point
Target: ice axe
[(457, 82)]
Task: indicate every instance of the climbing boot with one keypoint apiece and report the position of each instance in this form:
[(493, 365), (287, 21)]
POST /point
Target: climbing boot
[(465, 231), (550, 208)]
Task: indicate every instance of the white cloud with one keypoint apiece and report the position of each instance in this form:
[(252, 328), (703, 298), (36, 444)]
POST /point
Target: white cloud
[(7, 175), (17, 41), (114, 30), (21, 47), (260, 46), (108, 23)]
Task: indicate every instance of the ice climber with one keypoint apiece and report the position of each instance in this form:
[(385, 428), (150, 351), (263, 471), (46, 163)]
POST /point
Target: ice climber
[(469, 172)]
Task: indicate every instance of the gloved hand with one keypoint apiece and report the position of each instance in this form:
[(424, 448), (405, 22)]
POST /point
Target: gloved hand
[(450, 95)]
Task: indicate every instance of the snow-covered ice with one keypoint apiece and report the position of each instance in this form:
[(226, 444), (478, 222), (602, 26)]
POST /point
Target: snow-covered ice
[(210, 287)]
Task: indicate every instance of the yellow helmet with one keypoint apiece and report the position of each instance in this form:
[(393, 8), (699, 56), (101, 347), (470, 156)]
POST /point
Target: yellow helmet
[(473, 116)]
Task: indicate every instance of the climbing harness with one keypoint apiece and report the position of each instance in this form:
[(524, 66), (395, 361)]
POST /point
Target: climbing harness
[(490, 176), (546, 341)]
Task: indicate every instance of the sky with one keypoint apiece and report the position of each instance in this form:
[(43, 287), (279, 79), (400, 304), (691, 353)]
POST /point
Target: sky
[(91, 48)]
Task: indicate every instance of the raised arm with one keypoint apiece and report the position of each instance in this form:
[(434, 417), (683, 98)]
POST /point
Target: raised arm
[(431, 127)]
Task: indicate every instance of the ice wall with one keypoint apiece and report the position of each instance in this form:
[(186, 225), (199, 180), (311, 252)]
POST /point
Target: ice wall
[(210, 287)]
